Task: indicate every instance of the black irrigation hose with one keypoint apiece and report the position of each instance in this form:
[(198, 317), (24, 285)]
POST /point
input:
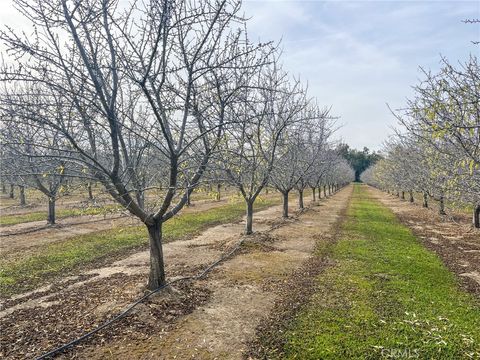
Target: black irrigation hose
[(72, 343)]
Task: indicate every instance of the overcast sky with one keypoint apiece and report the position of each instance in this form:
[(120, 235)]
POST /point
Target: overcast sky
[(359, 55), (356, 55)]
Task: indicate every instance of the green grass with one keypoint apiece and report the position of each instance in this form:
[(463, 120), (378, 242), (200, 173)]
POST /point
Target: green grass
[(59, 258), (60, 214), (386, 297)]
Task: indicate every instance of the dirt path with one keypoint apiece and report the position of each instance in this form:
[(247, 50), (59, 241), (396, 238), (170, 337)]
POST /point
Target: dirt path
[(208, 318), (240, 293), (456, 242), (29, 236)]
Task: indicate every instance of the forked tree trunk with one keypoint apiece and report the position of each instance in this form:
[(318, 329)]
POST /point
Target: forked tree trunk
[(476, 216), (425, 200), (249, 226), (217, 195), (300, 199), (314, 198), (22, 195), (156, 277), (51, 210), (403, 195), (285, 204), (411, 196), (441, 206), (12, 191)]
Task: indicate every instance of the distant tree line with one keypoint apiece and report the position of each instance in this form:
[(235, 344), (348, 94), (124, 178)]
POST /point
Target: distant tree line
[(359, 160)]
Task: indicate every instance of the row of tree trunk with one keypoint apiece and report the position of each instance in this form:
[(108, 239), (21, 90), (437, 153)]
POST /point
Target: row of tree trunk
[(441, 205)]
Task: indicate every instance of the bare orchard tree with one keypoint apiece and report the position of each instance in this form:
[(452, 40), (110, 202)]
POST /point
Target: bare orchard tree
[(298, 151), (268, 106), (444, 117), (342, 173), (34, 159), (315, 149), (8, 171), (166, 61), (445, 112)]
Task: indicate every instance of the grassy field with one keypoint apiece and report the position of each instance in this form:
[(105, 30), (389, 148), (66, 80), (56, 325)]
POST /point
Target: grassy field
[(386, 297), (59, 258), (60, 213)]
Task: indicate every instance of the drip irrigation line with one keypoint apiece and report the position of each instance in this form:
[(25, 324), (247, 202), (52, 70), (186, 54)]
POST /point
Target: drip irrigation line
[(129, 308)]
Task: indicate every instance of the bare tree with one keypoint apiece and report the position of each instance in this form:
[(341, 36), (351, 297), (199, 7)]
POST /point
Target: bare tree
[(144, 79), (270, 104)]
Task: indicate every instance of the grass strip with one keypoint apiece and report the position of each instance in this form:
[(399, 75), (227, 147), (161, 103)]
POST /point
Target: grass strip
[(386, 297), (59, 258), (60, 214)]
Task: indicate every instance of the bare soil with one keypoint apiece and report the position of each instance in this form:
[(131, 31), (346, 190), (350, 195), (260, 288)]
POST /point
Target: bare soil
[(211, 318), (452, 237)]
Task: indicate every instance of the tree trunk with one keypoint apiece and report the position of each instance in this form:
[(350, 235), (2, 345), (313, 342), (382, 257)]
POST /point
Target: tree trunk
[(441, 207), (156, 277), (314, 198), (90, 193), (249, 226), (4, 188), (403, 195), (300, 199), (12, 193), (51, 210), (188, 198), (319, 192), (285, 204), (476, 216), (329, 190), (411, 196), (425, 200), (324, 190), (22, 195), (140, 194), (266, 190), (217, 195)]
